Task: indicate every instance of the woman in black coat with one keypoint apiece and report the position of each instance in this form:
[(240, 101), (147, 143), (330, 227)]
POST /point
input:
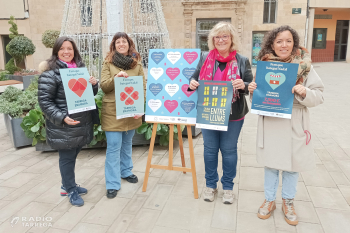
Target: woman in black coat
[(67, 133)]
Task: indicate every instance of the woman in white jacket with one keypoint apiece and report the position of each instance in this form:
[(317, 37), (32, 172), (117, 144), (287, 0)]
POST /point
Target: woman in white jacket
[(285, 144)]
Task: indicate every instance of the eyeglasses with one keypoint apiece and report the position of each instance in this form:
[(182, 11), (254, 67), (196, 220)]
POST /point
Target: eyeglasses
[(224, 38)]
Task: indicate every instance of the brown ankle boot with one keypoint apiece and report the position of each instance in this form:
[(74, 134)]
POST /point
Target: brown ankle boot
[(289, 212), (266, 209)]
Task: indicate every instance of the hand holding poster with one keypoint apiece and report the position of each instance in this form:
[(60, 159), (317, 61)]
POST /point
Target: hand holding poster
[(273, 95), (78, 90), (168, 100), (129, 97), (214, 104)]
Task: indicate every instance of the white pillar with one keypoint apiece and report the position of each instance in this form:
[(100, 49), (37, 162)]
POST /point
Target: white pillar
[(115, 18), (310, 29)]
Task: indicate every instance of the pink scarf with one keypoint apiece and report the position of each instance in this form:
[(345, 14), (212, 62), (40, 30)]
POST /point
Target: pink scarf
[(230, 72), (70, 64)]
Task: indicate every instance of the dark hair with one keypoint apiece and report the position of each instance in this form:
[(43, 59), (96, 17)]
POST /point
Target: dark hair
[(56, 48), (131, 52), (270, 37)]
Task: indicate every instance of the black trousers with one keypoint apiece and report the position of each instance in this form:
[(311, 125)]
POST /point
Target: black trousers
[(67, 165)]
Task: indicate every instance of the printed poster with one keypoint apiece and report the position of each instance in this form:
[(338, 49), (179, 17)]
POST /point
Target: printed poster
[(214, 104), (129, 96), (273, 96), (78, 90), (168, 100)]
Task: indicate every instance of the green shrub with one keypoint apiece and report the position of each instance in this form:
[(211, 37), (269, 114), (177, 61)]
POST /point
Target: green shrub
[(99, 134), (13, 29), (11, 67), (33, 125), (10, 94), (3, 75), (33, 84), (49, 38), (20, 47)]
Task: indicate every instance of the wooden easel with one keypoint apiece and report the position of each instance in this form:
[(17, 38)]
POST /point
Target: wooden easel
[(170, 166)]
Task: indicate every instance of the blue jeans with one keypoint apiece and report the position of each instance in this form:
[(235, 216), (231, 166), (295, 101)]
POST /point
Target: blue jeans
[(226, 141), (289, 184), (118, 157)]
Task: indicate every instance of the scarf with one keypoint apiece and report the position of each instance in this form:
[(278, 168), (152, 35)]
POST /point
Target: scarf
[(230, 72), (301, 57), (70, 64), (122, 61)]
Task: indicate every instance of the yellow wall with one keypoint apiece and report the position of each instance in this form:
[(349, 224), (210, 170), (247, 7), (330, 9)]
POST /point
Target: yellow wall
[(331, 24)]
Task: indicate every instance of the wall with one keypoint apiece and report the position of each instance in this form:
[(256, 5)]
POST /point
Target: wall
[(327, 54), (330, 3), (11, 7)]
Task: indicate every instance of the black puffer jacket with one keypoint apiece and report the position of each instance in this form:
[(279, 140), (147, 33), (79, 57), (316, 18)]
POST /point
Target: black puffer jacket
[(240, 107), (52, 101)]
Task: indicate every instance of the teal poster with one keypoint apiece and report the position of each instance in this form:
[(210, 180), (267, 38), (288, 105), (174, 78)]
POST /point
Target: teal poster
[(168, 100), (129, 98), (214, 104), (273, 95), (78, 90)]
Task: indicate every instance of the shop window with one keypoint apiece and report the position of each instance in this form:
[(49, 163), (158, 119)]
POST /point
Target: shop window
[(206, 101), (319, 38), (203, 28), (85, 13), (223, 103), (270, 11), (215, 102), (224, 91), (206, 90)]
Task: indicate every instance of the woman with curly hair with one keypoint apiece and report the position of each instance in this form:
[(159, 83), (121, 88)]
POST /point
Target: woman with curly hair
[(285, 144), (122, 61)]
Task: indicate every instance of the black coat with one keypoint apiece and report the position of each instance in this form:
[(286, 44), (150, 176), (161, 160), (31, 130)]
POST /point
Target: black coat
[(240, 107), (52, 101)]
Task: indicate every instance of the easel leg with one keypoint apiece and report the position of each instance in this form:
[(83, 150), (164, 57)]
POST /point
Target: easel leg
[(149, 159), (193, 166), (179, 133), (171, 146)]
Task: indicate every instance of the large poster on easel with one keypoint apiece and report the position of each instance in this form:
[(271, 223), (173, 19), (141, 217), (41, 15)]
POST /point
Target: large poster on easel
[(167, 98)]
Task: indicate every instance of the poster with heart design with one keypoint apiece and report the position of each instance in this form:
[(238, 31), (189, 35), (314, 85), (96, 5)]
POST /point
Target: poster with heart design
[(167, 97), (129, 96), (273, 96), (214, 105), (78, 90)]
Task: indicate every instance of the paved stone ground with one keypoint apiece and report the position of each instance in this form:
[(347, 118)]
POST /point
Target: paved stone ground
[(30, 184)]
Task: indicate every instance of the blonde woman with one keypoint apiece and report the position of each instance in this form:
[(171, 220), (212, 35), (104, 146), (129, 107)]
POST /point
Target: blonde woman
[(223, 63)]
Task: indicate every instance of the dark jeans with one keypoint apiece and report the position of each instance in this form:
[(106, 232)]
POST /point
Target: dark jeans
[(226, 141), (67, 165)]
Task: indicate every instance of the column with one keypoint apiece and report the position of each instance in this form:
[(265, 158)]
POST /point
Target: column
[(310, 31), (348, 48)]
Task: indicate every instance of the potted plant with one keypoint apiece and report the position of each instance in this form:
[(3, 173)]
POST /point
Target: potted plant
[(49, 38), (25, 76), (15, 104)]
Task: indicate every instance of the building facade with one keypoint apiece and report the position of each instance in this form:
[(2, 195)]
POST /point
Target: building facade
[(323, 25)]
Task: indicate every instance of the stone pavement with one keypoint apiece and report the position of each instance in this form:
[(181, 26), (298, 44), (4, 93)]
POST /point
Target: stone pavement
[(30, 184)]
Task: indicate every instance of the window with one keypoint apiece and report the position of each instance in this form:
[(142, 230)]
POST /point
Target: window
[(215, 90), (215, 102), (85, 13), (206, 101), (270, 10), (256, 44), (224, 91), (319, 38), (223, 102), (206, 90), (203, 28)]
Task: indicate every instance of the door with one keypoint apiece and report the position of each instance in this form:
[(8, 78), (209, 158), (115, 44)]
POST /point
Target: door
[(5, 40), (341, 40)]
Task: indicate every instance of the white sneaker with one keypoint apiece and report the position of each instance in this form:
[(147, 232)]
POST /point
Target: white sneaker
[(209, 194), (228, 197)]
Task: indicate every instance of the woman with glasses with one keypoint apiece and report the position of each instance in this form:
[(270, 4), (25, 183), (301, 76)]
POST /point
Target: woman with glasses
[(223, 63)]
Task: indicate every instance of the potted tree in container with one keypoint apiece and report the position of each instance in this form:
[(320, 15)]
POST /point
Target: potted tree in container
[(49, 38)]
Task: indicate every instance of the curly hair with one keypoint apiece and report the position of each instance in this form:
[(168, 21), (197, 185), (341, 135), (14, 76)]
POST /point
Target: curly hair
[(270, 37), (224, 27), (131, 52)]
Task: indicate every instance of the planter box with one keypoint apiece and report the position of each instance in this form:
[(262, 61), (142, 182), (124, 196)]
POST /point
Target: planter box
[(139, 139), (15, 131), (195, 131), (15, 77), (27, 80)]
